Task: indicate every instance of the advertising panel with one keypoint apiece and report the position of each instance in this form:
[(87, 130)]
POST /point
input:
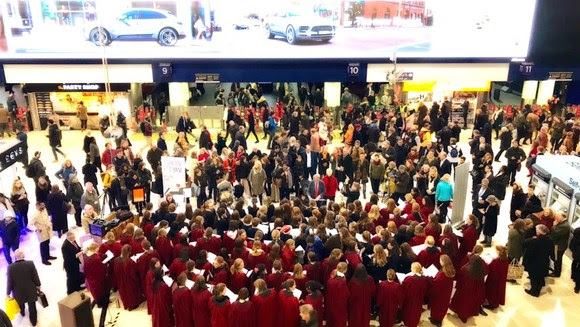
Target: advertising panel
[(222, 29)]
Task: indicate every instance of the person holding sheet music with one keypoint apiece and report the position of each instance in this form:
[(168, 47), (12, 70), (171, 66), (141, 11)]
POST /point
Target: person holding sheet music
[(288, 305), (127, 279), (71, 252), (182, 303), (440, 289), (219, 306), (470, 289), (200, 297), (414, 289), (362, 290), (389, 299), (97, 279), (243, 311), (162, 313)]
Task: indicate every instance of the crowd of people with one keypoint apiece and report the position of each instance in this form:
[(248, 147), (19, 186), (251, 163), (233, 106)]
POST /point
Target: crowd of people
[(287, 236)]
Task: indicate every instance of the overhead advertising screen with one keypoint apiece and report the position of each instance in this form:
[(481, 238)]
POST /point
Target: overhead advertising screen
[(223, 29)]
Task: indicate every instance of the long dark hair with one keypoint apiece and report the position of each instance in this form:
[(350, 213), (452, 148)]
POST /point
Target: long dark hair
[(360, 273), (157, 278), (475, 267)]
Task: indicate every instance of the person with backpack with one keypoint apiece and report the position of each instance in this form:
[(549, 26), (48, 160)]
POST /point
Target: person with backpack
[(35, 168), (454, 153), (54, 139)]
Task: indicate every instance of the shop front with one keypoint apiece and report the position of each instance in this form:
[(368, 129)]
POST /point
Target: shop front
[(63, 101)]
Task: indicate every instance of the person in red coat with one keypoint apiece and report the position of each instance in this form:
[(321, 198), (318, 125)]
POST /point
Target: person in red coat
[(179, 264), (329, 264), (414, 290), (200, 297), (266, 304), (300, 278), (127, 278), (238, 278), (110, 244), (182, 305), (162, 314), (440, 288), (330, 185), (315, 299), (430, 254), (154, 264), (219, 273), (164, 247), (219, 306), (362, 290), (97, 279), (143, 263), (257, 256), (433, 228), (389, 299), (470, 289), (497, 278), (314, 269), (243, 312), (288, 255), (288, 306), (351, 255), (469, 238), (337, 297)]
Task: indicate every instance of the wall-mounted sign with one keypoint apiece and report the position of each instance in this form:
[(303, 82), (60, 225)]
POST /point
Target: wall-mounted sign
[(565, 76), (79, 87), (165, 69), (353, 69), (526, 68), (203, 77), (403, 76), (12, 155)]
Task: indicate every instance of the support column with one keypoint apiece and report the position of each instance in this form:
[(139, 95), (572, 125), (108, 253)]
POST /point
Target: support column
[(545, 91), (136, 94), (529, 92)]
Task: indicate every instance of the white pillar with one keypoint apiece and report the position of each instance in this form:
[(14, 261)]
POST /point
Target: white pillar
[(332, 94), (529, 91), (545, 91), (178, 94)]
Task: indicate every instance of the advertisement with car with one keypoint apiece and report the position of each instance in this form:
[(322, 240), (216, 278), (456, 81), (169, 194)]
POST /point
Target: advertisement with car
[(222, 29)]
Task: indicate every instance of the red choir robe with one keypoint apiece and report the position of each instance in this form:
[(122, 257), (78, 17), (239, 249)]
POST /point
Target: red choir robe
[(220, 311), (128, 283), (96, 276), (301, 284), (200, 304), (389, 300), (466, 243), (182, 307), (162, 314), (220, 276), (276, 279), (176, 268), (439, 295), (314, 271), (454, 245), (143, 266), (431, 231), (165, 250), (327, 268), (496, 282), (195, 234), (336, 302), (237, 282), (316, 301), (149, 277), (136, 247), (266, 305), (147, 230), (254, 260), (288, 257), (429, 256), (417, 240), (115, 248), (414, 290), (212, 245), (242, 314), (240, 255), (353, 259), (227, 241), (359, 305), (178, 247), (288, 309), (469, 295)]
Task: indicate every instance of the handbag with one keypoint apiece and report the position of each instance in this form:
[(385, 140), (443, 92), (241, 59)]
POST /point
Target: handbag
[(515, 270), (12, 308), (42, 298)]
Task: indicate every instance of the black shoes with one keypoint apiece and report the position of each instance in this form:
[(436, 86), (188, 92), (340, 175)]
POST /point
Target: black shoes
[(532, 294), (51, 258), (482, 312), (46, 263)]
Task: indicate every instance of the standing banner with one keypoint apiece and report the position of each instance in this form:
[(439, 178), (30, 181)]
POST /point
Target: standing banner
[(173, 170), (460, 193)]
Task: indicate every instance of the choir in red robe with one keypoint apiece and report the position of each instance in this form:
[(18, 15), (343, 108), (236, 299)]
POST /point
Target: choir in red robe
[(337, 298), (162, 313), (200, 297), (414, 290), (182, 304), (289, 315), (362, 290), (389, 300), (266, 304), (495, 283), (127, 278), (470, 289)]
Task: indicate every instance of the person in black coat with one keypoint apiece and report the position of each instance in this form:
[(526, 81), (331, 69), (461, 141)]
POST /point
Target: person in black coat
[(480, 194), (575, 249), (373, 133), (539, 251), (22, 283), (57, 207), (444, 166), (161, 144), (10, 234), (533, 204), (518, 201), (71, 252), (54, 139), (239, 137), (490, 221), (499, 183), (74, 192), (505, 142)]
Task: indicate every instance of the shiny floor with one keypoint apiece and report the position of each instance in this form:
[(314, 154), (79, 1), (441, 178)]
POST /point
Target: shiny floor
[(557, 305)]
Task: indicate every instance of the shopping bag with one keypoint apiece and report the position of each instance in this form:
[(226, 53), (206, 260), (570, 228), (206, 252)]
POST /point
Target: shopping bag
[(42, 298), (515, 270), (12, 308)]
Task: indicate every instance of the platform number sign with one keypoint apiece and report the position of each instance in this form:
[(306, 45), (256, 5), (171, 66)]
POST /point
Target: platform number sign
[(353, 69), (165, 69)]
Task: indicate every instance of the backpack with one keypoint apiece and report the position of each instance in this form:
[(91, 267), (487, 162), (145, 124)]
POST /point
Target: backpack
[(453, 152), (30, 171)]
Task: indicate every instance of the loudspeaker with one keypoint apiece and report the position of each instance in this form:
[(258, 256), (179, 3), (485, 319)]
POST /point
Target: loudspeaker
[(75, 311)]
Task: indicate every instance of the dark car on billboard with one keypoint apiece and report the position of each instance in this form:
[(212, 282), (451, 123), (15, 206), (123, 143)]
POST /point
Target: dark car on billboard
[(295, 27), (139, 24)]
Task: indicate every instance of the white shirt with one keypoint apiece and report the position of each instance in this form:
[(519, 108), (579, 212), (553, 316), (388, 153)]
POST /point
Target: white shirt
[(308, 161)]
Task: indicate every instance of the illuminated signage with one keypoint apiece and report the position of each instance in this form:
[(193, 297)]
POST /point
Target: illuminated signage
[(79, 87)]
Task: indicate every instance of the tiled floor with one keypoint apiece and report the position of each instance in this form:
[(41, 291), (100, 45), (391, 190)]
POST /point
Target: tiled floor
[(558, 305)]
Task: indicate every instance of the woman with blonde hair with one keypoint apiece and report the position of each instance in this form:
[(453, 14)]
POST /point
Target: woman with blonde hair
[(238, 278), (376, 264), (19, 199), (374, 214), (414, 287), (389, 298), (299, 276), (443, 196), (440, 290)]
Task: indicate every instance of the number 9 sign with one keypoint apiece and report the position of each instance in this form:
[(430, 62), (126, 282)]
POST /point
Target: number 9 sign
[(165, 69)]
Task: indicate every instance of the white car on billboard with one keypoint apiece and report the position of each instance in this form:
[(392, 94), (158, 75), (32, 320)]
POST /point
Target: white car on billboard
[(139, 24), (295, 27)]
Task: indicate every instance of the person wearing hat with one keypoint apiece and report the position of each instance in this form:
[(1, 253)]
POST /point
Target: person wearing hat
[(10, 234), (490, 219)]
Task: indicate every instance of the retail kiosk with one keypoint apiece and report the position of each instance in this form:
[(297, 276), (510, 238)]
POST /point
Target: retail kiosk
[(541, 178)]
